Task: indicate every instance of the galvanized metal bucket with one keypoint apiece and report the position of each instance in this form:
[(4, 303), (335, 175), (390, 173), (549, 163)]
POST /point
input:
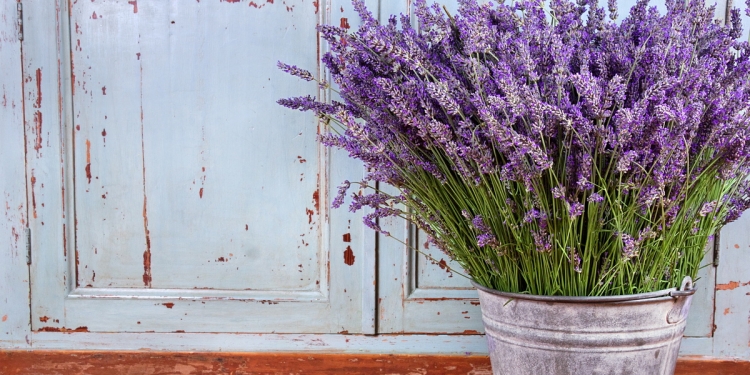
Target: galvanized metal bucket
[(619, 335)]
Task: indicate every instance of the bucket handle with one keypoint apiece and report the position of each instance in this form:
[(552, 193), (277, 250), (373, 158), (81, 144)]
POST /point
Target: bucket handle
[(686, 289)]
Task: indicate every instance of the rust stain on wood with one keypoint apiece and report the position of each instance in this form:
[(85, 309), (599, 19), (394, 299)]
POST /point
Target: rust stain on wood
[(349, 256), (5, 318), (43, 319), (347, 237), (116, 363)]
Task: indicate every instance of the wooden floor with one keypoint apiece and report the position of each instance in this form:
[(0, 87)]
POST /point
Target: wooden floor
[(150, 363)]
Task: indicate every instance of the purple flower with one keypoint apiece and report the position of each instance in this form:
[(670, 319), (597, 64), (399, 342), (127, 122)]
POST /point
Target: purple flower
[(339, 200), (502, 110), (629, 246), (576, 209), (707, 208), (485, 236), (595, 198), (295, 71)]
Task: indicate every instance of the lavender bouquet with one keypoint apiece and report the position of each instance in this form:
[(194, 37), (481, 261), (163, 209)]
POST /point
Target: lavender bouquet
[(547, 149)]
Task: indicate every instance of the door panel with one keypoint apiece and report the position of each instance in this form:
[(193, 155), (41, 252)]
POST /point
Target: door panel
[(195, 202), (228, 176)]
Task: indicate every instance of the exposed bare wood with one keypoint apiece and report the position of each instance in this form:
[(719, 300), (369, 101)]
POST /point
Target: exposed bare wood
[(114, 363)]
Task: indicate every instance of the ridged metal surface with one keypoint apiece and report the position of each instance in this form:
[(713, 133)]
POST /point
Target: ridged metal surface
[(628, 337)]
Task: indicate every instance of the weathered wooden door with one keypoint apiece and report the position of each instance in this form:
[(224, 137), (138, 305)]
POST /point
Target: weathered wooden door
[(169, 192)]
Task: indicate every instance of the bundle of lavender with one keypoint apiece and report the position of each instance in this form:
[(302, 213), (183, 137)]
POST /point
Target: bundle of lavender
[(549, 149)]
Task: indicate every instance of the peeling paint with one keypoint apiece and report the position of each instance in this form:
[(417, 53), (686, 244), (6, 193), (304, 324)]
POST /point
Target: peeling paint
[(310, 214), (38, 102), (316, 200), (169, 305), (134, 3), (349, 256), (33, 194), (38, 128), (344, 24), (63, 329), (728, 286), (347, 237), (88, 160)]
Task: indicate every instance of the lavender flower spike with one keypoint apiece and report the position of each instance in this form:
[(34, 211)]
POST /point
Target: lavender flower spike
[(295, 71)]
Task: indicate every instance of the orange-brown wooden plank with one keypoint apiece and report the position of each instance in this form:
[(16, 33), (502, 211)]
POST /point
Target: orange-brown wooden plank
[(114, 363)]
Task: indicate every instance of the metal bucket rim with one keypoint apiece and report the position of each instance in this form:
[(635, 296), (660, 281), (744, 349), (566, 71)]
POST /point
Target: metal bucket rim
[(671, 292)]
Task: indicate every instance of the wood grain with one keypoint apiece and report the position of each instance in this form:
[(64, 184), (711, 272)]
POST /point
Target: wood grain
[(113, 363)]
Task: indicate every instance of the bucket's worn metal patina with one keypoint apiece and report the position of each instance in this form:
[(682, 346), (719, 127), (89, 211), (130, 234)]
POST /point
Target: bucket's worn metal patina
[(618, 335)]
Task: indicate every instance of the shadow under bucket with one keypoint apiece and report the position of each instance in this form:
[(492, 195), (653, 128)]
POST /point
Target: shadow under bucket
[(636, 334)]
